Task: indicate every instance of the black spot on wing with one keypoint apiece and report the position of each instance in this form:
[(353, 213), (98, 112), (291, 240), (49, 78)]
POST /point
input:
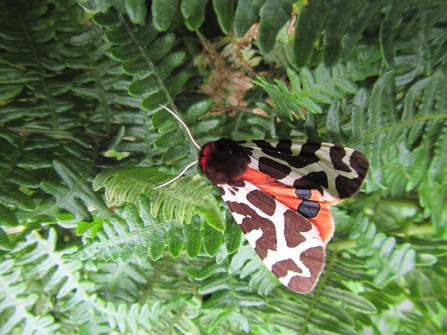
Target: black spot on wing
[(348, 187), (263, 144), (273, 168), (281, 146), (308, 208), (307, 155), (359, 163), (284, 146), (303, 194), (312, 181), (283, 151), (238, 183), (337, 153)]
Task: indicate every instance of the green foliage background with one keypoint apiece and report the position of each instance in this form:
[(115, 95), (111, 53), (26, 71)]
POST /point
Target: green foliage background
[(89, 246)]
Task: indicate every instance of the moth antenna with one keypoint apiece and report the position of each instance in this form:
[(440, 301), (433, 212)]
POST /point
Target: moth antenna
[(177, 177), (185, 126), (192, 140)]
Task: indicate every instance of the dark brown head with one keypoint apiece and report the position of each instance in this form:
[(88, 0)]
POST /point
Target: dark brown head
[(223, 160)]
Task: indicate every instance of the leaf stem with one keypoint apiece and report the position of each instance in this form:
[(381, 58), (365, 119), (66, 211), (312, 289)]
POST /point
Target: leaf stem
[(401, 125), (318, 291)]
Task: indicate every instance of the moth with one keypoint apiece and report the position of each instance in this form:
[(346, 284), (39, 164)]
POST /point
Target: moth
[(280, 192)]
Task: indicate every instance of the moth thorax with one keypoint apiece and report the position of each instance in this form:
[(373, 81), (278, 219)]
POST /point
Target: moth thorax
[(223, 160)]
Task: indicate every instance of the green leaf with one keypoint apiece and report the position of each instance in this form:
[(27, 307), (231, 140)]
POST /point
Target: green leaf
[(247, 13), (274, 14), (352, 300), (368, 74), (175, 239), (212, 240), (7, 217), (10, 91), (163, 12), (11, 195), (359, 24), (194, 13), (136, 9), (310, 23), (126, 184), (219, 319), (193, 237), (232, 237), (338, 22), (224, 11), (376, 108), (78, 186), (392, 18), (308, 89), (5, 242)]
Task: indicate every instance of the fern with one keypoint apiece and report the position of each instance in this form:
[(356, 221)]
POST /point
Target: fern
[(89, 246), (137, 232), (14, 291), (309, 89), (59, 279), (36, 163), (174, 200)]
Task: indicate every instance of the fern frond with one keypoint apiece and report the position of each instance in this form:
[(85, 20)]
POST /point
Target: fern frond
[(60, 280), (17, 301), (426, 290), (274, 14), (127, 183), (159, 75), (288, 320), (420, 123), (5, 242), (386, 259), (145, 57), (322, 86), (135, 232), (247, 14), (163, 13), (338, 21), (325, 314), (171, 139), (226, 292), (10, 180), (15, 295), (245, 264), (80, 102), (41, 125)]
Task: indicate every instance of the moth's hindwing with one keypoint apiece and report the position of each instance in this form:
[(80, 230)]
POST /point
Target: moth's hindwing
[(288, 244), (337, 172)]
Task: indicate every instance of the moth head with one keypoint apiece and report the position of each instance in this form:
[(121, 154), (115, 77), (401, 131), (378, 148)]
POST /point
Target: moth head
[(223, 160)]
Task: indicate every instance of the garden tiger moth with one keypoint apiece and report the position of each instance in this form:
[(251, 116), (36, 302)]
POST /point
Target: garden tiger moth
[(280, 192)]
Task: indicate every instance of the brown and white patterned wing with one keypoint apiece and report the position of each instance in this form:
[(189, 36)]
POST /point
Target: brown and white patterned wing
[(288, 244), (337, 172)]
